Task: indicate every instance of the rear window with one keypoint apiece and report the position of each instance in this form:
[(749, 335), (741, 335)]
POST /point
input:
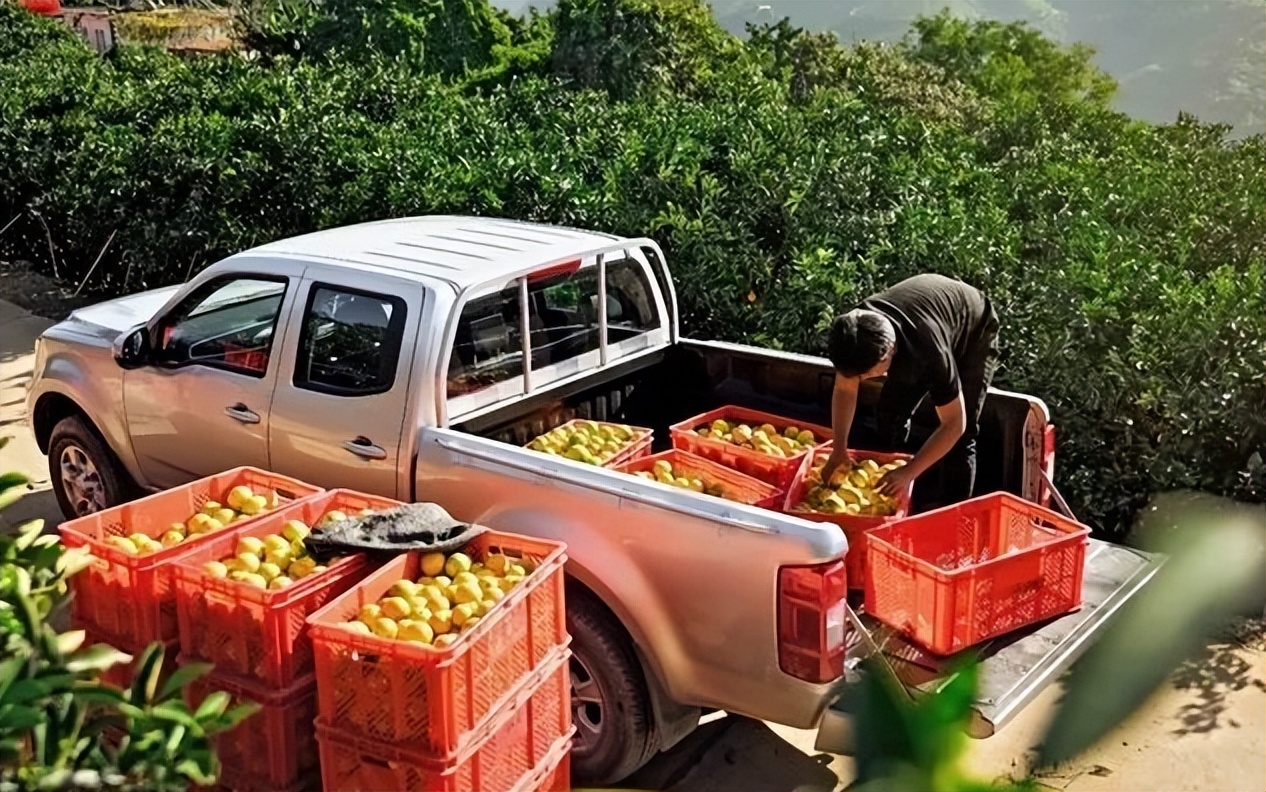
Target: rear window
[(563, 326)]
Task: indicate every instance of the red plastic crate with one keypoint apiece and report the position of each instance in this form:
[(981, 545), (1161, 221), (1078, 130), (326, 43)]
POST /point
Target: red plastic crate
[(777, 471), (854, 526), (256, 633), (951, 578), (510, 754), (638, 447), (128, 600), (428, 699), (273, 749), (556, 776), (738, 487)]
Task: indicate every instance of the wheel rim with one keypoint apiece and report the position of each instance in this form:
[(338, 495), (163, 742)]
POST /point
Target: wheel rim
[(81, 481), (586, 706)]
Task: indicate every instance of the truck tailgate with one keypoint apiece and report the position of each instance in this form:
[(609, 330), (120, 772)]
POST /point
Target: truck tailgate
[(1016, 667)]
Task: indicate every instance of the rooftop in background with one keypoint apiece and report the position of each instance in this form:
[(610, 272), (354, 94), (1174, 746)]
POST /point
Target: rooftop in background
[(463, 251)]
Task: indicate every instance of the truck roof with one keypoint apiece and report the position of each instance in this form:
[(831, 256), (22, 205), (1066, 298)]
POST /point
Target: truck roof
[(463, 251)]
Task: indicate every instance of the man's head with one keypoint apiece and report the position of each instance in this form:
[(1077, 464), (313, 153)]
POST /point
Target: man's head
[(861, 343)]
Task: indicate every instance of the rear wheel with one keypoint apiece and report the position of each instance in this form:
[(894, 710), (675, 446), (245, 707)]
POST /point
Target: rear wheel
[(611, 709), (85, 475)]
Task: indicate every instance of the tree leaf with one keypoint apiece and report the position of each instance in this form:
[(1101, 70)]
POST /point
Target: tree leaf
[(213, 706), (98, 657), (183, 676)]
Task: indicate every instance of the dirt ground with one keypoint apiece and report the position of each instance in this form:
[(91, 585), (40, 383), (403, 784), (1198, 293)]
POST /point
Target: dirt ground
[(1204, 730)]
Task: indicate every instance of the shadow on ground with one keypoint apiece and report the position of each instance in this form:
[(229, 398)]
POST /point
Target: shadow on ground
[(1219, 670)]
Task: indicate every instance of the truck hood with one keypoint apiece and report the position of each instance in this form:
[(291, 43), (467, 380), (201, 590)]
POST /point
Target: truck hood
[(124, 312)]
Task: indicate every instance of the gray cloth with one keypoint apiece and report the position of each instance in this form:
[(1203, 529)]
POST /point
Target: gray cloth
[(424, 527)]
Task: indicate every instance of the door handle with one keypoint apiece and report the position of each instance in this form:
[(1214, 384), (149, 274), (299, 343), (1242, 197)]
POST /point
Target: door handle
[(240, 412), (364, 447)]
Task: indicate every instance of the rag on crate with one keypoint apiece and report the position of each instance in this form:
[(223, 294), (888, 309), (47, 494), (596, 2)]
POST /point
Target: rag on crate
[(424, 527)]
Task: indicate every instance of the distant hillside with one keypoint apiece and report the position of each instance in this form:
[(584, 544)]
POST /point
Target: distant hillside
[(1205, 57)]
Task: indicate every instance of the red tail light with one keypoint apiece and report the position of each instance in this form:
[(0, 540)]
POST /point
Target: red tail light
[(811, 621)]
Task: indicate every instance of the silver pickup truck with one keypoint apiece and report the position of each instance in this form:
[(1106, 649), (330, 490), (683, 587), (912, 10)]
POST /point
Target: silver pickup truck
[(413, 358)]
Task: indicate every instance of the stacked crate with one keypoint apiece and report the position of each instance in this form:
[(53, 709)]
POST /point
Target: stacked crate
[(257, 641), (489, 712), (127, 600)]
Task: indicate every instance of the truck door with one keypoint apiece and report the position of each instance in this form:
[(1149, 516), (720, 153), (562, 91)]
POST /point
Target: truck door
[(202, 405), (343, 389)]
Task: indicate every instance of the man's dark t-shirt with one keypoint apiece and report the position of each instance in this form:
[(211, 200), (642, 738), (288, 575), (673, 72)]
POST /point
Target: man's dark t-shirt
[(938, 322)]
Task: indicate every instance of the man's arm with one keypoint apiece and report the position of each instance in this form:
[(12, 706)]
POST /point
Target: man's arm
[(953, 422), (843, 406)]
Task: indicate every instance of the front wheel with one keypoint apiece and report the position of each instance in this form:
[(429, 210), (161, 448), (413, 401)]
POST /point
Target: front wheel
[(85, 475), (611, 709)]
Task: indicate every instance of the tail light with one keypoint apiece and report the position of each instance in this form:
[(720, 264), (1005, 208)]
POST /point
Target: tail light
[(811, 621)]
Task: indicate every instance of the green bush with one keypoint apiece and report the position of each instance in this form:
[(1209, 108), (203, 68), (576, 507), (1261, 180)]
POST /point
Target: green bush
[(786, 177)]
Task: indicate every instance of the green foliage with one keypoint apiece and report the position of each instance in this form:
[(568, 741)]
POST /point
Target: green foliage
[(786, 177), (54, 710)]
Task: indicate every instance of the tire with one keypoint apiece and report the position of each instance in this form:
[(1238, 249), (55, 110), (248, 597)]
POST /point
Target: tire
[(611, 706), (85, 474)]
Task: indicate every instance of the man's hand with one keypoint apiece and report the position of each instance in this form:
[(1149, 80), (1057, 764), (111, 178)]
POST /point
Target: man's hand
[(838, 457), (896, 481)]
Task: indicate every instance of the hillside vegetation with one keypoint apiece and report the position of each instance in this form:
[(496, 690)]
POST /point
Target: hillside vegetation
[(785, 175)]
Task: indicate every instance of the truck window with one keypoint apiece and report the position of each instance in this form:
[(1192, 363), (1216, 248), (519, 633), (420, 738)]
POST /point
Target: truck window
[(350, 343), (228, 323), (563, 323)]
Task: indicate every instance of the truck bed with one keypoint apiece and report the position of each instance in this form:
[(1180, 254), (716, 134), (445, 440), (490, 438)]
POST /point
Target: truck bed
[(693, 377)]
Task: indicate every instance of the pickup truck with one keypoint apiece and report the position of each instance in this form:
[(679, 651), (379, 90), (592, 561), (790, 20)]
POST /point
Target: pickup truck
[(413, 358)]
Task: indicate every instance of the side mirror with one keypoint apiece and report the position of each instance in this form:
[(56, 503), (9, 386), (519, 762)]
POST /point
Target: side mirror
[(132, 349)]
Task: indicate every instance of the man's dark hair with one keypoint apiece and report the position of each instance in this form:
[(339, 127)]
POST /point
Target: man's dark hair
[(858, 340)]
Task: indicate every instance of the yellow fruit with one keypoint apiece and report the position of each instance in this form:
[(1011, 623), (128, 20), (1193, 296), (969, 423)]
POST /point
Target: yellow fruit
[(178, 528), (368, 612), (197, 524), (489, 583), (806, 437), (249, 561), (435, 597), (249, 578), (508, 582), (403, 588), (254, 505), (443, 581), (419, 608), (212, 524), (450, 593), (357, 627), (494, 595), (432, 564), (302, 567), (171, 538), (210, 508), (516, 569), (662, 466), (281, 558), (269, 571), (279, 582), (417, 631), (441, 621), (318, 568), (470, 624), (215, 569), (464, 612), (456, 564), (496, 564), (141, 542), (276, 542), (468, 592), (384, 627), (442, 641), (465, 577), (294, 531), (249, 545), (225, 516), (395, 608), (122, 544), (239, 495)]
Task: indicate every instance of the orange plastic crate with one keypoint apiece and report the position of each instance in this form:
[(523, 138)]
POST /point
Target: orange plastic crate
[(638, 447), (511, 753), (256, 633), (128, 600), (738, 487), (777, 471), (951, 578), (428, 699), (273, 749), (854, 526)]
